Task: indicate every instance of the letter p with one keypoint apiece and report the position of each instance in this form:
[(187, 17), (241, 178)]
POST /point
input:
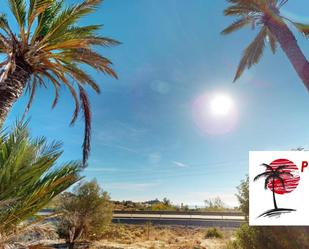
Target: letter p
[(304, 165)]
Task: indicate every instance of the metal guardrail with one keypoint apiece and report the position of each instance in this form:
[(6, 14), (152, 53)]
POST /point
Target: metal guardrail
[(175, 218), (188, 214), (208, 213), (188, 219)]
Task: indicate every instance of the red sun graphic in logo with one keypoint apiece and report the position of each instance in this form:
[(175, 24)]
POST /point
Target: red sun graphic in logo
[(290, 180)]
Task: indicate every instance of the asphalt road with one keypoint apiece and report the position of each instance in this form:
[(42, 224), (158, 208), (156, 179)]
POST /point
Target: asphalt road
[(180, 220)]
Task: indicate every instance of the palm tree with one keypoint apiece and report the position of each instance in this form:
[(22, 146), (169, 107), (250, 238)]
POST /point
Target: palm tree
[(271, 175), (265, 14), (49, 48), (29, 180)]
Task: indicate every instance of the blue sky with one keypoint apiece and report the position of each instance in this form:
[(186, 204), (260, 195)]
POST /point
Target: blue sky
[(146, 143)]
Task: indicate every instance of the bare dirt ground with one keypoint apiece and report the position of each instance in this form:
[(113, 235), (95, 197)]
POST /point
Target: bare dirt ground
[(150, 237)]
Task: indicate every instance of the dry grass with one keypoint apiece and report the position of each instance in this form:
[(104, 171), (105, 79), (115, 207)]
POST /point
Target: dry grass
[(151, 237)]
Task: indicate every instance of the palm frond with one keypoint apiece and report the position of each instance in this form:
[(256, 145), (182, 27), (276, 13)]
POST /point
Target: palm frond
[(303, 28), (268, 167), (56, 85), (268, 178), (237, 25), (252, 53), (90, 58), (18, 8), (264, 174), (70, 16), (57, 70), (281, 167), (4, 25), (36, 8), (45, 20), (28, 174), (81, 76), (87, 117), (32, 93), (75, 33), (239, 10)]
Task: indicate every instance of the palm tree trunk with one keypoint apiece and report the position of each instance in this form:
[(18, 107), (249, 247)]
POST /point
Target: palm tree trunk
[(12, 87), (289, 45), (274, 197)]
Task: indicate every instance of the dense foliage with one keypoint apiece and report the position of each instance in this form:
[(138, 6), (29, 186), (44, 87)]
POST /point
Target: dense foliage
[(49, 47), (87, 212), (29, 179)]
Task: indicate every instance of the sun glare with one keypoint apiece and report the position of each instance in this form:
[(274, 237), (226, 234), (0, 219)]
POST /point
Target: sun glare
[(215, 113), (221, 105)]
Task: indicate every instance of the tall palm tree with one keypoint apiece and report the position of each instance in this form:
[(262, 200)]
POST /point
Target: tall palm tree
[(271, 175), (49, 48), (265, 15), (29, 180)]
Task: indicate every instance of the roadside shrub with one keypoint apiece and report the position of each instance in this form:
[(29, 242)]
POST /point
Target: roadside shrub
[(87, 212), (243, 196), (215, 204), (270, 238), (213, 232)]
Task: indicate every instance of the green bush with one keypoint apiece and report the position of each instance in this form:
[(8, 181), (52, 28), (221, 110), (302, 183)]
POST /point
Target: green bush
[(213, 233), (87, 212)]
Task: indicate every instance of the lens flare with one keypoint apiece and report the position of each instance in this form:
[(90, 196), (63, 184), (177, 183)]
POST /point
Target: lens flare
[(221, 105), (215, 114)]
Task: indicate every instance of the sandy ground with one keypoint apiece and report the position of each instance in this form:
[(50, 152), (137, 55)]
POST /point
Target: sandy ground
[(209, 243), (150, 237)]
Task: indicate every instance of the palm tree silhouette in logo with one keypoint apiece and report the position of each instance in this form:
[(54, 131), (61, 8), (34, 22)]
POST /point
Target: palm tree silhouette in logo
[(270, 176)]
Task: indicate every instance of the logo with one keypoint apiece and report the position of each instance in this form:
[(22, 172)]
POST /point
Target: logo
[(278, 188), (280, 177)]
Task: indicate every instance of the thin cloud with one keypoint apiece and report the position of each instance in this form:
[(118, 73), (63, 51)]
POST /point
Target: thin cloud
[(180, 164)]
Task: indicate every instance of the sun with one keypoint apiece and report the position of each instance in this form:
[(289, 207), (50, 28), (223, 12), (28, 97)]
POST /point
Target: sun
[(215, 113), (221, 105)]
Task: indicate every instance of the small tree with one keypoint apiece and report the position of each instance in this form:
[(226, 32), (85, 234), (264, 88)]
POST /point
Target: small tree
[(214, 204), (86, 212), (166, 202), (243, 196)]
